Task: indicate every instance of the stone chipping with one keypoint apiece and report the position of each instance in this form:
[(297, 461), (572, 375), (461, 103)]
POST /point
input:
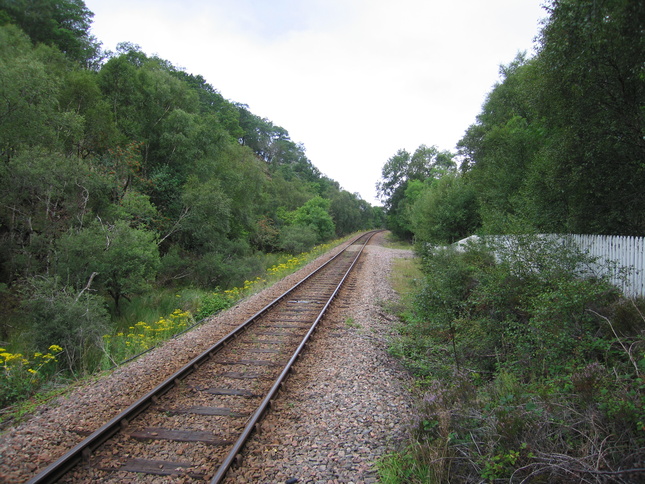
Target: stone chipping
[(347, 404)]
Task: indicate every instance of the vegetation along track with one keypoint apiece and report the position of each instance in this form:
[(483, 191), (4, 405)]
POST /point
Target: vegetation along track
[(194, 424)]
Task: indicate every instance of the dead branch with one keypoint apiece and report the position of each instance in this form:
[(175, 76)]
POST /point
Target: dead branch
[(87, 286), (627, 351)]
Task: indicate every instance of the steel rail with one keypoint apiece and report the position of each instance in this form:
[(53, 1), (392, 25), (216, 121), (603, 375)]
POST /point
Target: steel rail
[(255, 418), (84, 449)]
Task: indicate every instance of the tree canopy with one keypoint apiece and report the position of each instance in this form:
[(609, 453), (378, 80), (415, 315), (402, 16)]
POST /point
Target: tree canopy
[(558, 145), (122, 172)]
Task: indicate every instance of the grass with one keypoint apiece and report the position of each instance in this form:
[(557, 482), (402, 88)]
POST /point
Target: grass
[(405, 276), (406, 467), (152, 306), (351, 323), (14, 414), (404, 279), (393, 242)]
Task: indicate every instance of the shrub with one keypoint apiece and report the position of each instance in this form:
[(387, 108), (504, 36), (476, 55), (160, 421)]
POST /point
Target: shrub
[(296, 239), (213, 303), (532, 368), (74, 321)]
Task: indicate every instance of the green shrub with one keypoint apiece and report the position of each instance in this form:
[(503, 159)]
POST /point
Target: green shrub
[(213, 303), (56, 315), (296, 239), (529, 371)]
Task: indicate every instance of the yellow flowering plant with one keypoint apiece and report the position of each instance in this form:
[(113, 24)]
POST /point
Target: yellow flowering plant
[(21, 376), (143, 336), (220, 300)]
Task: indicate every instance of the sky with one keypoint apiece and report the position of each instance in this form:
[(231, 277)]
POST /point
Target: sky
[(354, 81)]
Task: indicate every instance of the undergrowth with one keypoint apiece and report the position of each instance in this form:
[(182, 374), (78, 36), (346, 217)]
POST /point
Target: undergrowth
[(526, 372), (141, 324)]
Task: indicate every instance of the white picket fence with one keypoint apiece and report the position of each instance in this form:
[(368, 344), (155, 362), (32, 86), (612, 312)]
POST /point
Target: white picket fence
[(609, 251), (627, 252)]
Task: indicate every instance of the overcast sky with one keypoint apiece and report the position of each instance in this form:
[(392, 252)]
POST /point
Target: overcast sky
[(353, 80)]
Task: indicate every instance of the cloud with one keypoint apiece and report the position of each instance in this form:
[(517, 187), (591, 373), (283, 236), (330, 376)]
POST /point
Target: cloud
[(354, 80)]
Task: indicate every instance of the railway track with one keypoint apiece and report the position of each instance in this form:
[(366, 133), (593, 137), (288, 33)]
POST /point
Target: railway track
[(193, 426)]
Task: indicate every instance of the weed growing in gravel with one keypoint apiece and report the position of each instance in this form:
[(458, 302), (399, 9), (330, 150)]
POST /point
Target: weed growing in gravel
[(351, 323)]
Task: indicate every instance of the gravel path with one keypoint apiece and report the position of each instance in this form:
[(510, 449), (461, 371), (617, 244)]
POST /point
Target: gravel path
[(346, 405)]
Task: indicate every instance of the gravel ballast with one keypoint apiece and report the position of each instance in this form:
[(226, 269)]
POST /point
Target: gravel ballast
[(347, 404)]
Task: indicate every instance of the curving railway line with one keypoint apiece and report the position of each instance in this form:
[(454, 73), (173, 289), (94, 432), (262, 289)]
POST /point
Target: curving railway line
[(193, 426)]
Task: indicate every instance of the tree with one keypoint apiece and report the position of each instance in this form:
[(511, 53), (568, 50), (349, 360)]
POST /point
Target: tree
[(124, 259), (315, 214), (28, 112), (393, 175), (429, 162), (80, 94), (345, 209), (46, 194), (402, 170), (592, 54), (445, 211), (208, 221), (295, 239), (61, 23), (500, 149), (211, 102), (73, 320)]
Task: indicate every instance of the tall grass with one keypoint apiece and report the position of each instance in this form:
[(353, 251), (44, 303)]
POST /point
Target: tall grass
[(154, 305)]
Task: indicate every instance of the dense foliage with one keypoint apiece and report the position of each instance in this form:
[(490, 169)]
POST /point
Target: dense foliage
[(527, 372), (123, 174), (558, 146)]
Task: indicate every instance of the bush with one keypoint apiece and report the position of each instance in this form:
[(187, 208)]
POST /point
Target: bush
[(212, 304), (74, 321), (530, 372), (296, 239)]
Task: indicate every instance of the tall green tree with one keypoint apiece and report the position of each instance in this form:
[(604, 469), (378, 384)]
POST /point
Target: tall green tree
[(394, 175), (345, 209), (315, 214), (445, 210), (61, 23), (592, 54), (45, 194), (29, 111), (401, 179), (499, 150)]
